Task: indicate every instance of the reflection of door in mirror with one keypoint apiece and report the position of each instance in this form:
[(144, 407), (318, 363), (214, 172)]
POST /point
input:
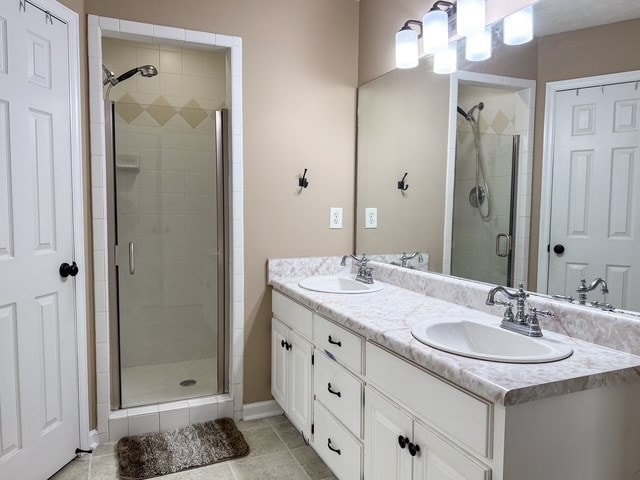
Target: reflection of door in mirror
[(484, 191), (595, 220)]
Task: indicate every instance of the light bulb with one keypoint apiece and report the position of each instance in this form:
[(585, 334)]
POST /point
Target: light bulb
[(518, 27), (435, 31), (446, 61), (478, 47), (406, 48), (470, 17)]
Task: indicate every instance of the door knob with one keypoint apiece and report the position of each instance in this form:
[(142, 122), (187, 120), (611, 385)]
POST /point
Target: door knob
[(559, 249), (67, 270)]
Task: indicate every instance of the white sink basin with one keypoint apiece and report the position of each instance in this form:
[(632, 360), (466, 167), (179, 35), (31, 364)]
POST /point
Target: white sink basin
[(337, 284), (487, 342)]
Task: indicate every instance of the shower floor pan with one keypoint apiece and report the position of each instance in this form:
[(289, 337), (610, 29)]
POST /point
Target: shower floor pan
[(151, 384)]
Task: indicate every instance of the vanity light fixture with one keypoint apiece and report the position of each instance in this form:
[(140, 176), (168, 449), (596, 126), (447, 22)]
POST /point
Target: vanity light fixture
[(436, 27), (447, 61), (407, 45), (478, 46), (518, 27), (470, 17)]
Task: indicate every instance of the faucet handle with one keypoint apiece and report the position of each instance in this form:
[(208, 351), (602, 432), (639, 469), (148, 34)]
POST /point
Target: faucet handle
[(534, 312)]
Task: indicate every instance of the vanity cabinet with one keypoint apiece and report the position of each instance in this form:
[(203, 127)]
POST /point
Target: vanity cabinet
[(291, 362), (399, 446), (370, 413)]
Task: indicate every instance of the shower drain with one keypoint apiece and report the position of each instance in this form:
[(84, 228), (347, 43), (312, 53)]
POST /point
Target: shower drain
[(187, 383)]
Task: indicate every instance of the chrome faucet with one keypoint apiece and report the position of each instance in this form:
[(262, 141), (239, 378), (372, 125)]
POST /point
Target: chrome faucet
[(583, 289), (524, 323), (365, 273), (404, 259)]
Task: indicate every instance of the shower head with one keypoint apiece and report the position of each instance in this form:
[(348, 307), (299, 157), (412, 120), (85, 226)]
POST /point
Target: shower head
[(144, 70), (463, 113), (479, 106)]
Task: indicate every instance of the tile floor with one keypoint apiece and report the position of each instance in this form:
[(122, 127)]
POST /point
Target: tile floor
[(151, 384), (277, 452)]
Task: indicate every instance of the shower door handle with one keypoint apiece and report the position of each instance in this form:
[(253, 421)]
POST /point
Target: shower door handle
[(499, 251), (132, 258)]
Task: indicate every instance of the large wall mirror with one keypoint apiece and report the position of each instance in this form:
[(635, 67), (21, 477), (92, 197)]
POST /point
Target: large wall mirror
[(521, 168)]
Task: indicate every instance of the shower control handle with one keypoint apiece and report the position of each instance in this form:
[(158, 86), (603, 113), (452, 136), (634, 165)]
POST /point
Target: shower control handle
[(132, 258)]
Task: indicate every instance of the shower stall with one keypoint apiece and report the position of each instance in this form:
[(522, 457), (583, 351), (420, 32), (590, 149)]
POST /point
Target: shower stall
[(485, 191), (167, 225)]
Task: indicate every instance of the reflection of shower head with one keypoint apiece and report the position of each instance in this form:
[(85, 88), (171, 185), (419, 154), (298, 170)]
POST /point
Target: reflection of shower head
[(463, 113), (468, 116), (144, 70)]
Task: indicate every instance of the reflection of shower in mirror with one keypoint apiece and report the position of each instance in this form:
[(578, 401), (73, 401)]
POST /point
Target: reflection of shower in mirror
[(478, 193)]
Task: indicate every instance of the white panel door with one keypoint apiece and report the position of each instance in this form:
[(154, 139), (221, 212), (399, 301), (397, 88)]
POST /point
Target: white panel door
[(596, 198), (38, 371), (384, 459)]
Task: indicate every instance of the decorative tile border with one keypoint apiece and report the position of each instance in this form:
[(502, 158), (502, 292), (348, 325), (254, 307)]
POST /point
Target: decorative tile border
[(115, 424)]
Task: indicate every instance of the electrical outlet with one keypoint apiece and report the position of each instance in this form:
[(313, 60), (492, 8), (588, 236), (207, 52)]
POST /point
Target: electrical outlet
[(370, 218), (335, 217)]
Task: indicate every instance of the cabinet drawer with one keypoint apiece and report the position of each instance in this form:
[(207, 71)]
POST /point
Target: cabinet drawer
[(293, 314), (345, 346), (462, 416), (346, 401), (345, 460)]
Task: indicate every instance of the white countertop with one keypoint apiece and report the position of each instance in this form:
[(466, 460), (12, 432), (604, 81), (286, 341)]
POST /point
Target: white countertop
[(386, 318)]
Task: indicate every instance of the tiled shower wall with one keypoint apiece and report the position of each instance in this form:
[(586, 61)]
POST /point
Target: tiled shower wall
[(505, 114), (166, 196)]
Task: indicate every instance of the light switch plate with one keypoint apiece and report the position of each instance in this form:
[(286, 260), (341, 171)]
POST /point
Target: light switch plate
[(335, 217), (370, 218)]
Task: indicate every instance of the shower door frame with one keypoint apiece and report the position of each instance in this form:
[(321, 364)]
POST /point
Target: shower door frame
[(522, 211), (222, 152), (113, 424)]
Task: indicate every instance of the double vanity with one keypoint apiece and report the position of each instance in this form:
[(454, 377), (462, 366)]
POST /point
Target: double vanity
[(400, 379)]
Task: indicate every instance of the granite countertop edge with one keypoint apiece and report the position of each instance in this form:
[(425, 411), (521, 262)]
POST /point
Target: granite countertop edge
[(591, 366)]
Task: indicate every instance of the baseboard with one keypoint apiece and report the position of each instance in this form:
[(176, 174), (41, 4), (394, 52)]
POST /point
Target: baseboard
[(254, 411)]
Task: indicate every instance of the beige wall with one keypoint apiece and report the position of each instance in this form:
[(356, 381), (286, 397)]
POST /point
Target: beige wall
[(582, 53), (300, 76), (413, 220)]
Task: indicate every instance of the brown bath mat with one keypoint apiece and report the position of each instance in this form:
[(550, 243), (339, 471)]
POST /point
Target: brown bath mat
[(155, 454)]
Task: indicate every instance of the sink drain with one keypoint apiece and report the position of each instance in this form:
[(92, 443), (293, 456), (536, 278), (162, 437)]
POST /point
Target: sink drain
[(187, 383)]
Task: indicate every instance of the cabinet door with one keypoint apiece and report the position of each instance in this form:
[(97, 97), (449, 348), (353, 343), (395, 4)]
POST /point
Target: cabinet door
[(279, 357), (384, 459), (300, 383), (439, 460)]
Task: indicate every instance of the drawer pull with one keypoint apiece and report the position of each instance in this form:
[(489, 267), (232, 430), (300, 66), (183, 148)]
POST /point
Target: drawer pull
[(333, 342), (403, 441), (333, 391), (336, 450), (413, 449)]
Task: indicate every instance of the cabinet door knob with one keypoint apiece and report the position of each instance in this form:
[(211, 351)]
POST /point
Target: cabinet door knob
[(403, 441), (413, 449), (558, 249), (338, 394), (333, 342), (336, 450)]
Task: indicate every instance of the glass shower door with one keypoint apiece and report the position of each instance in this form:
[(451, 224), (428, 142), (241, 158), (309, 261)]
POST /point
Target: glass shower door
[(170, 252), (482, 248)]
